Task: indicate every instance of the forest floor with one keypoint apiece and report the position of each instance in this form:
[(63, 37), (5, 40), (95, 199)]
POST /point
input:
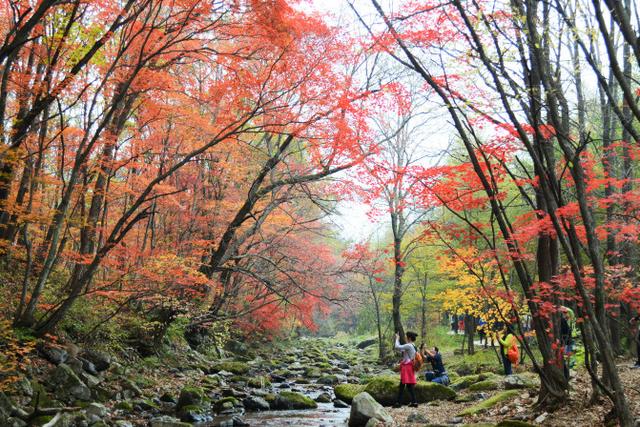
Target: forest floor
[(579, 411)]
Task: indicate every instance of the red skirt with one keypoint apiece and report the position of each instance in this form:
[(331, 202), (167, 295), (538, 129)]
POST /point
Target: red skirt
[(407, 376)]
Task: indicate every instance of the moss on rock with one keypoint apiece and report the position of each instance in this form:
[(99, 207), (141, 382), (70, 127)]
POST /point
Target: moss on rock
[(490, 402), (346, 392), (292, 400), (238, 368), (384, 389)]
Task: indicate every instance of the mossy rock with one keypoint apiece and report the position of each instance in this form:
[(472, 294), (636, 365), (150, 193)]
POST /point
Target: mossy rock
[(291, 400), (346, 392), (484, 385), (259, 382), (312, 372), (466, 381), (238, 368), (328, 380), (514, 423), (239, 379), (490, 402), (190, 396), (270, 398), (125, 405), (384, 389), (225, 403)]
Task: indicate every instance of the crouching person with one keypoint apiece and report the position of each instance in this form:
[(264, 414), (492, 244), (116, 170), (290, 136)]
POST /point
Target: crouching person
[(439, 373)]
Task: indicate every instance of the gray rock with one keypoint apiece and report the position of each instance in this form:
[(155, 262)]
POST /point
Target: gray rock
[(130, 389), (340, 404), (363, 408), (513, 382), (123, 423), (417, 418), (323, 398), (101, 361), (96, 409), (67, 385), (54, 355), (255, 403), (541, 418), (456, 420), (89, 366)]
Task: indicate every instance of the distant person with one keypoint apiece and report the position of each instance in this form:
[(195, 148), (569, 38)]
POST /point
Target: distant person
[(454, 324), (635, 322), (508, 342), (461, 325), (438, 374), (407, 375), (482, 332), (566, 339)]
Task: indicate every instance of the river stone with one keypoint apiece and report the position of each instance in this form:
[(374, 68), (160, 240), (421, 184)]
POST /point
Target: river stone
[(256, 403), (363, 408), (67, 385), (190, 396), (340, 404), (167, 421), (347, 392), (290, 400), (328, 380), (323, 398)]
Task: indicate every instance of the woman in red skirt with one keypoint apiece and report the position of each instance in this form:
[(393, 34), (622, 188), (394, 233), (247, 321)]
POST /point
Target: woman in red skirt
[(407, 376)]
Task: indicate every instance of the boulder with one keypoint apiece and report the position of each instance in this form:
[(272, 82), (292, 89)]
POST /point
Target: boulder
[(226, 404), (55, 355), (323, 398), (190, 396), (515, 382), (66, 384), (328, 380), (96, 409), (130, 388), (363, 408), (384, 389), (101, 361), (291, 400), (256, 403), (347, 392)]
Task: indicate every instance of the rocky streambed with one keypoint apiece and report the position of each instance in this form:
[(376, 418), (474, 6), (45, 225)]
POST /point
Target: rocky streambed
[(311, 382)]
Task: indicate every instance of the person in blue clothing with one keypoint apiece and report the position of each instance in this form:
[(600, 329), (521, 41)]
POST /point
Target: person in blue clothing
[(439, 373)]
